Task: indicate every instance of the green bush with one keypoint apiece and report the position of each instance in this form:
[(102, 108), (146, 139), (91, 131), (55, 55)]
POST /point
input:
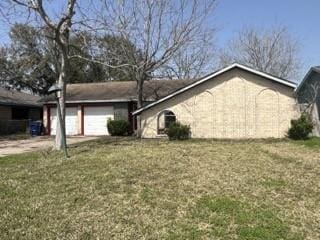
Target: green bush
[(118, 127), (178, 131), (300, 128)]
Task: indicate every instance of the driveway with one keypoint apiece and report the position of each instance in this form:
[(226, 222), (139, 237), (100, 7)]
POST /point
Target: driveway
[(8, 147)]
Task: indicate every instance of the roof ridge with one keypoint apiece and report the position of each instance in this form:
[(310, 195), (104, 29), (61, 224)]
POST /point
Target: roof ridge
[(127, 81)]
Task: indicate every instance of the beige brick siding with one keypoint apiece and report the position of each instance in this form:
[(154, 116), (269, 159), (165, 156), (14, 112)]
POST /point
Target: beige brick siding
[(236, 104)]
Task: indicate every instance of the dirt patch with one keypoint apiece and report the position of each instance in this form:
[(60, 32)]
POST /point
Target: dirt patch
[(9, 147)]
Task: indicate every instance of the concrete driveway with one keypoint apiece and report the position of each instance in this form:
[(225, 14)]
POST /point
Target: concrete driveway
[(8, 147)]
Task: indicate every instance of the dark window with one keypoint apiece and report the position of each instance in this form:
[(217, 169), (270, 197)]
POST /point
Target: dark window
[(169, 118), (165, 119)]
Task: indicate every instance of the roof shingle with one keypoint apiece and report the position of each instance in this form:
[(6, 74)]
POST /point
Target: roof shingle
[(12, 97), (120, 90)]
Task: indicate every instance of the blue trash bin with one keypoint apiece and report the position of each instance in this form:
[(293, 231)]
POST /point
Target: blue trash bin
[(36, 128)]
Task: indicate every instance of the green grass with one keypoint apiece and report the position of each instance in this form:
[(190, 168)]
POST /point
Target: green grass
[(248, 221), (121, 188), (313, 142)]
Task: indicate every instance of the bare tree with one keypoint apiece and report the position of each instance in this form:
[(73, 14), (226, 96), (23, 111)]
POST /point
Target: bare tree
[(163, 31), (273, 51), (194, 62), (59, 28)]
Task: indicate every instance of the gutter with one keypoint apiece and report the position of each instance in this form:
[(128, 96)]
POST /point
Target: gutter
[(21, 105), (99, 101)]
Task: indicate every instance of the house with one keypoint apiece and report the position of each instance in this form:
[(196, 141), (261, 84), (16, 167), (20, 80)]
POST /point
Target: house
[(16, 110), (90, 105), (16, 105), (235, 102), (308, 96)]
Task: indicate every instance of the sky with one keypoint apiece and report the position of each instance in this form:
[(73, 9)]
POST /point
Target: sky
[(301, 17)]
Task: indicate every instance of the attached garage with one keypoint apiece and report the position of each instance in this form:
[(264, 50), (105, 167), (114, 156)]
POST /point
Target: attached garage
[(83, 120), (72, 122), (95, 119), (96, 102)]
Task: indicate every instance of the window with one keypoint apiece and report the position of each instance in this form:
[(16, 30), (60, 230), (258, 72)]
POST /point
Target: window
[(165, 119)]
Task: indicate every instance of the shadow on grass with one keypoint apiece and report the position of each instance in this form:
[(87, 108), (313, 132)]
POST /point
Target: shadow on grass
[(87, 146), (107, 140), (240, 140)]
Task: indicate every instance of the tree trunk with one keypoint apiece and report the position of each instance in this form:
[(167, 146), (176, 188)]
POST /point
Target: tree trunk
[(62, 96), (139, 105), (315, 119)]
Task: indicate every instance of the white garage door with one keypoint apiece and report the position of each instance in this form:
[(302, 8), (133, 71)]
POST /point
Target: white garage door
[(71, 121), (95, 120)]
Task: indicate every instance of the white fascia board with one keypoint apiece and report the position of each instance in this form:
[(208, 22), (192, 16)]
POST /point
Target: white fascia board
[(94, 101), (265, 75)]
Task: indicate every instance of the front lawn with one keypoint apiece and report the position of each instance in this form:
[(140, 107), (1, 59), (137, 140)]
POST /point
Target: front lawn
[(155, 189)]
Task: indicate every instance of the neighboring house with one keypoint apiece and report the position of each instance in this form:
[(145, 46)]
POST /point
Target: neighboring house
[(90, 105), (16, 111), (308, 95), (16, 105), (235, 102)]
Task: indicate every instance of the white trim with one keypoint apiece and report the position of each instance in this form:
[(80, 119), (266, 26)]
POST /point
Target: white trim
[(93, 101), (161, 136), (265, 75), (100, 101)]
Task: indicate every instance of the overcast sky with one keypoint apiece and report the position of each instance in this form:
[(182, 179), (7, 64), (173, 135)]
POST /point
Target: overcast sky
[(302, 17)]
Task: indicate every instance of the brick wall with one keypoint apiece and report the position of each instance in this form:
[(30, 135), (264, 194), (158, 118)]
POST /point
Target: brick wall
[(236, 104)]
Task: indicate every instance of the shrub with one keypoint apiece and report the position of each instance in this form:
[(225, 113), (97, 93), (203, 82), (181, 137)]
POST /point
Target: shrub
[(300, 128), (178, 131), (118, 127)]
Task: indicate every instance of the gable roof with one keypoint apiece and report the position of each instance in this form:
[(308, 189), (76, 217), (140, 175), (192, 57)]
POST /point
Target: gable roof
[(16, 98), (119, 91), (315, 69), (215, 74)]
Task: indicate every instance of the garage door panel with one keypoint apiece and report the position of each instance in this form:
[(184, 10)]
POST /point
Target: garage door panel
[(95, 120), (53, 121), (71, 121)]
